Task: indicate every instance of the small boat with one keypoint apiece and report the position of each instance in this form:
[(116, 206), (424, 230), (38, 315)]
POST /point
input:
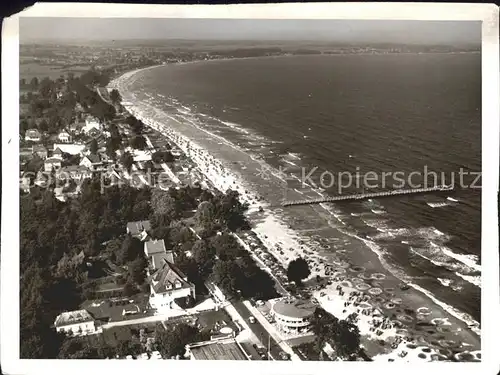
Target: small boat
[(452, 199), (437, 204)]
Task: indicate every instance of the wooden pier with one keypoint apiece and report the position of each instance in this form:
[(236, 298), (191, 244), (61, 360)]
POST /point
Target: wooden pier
[(362, 196)]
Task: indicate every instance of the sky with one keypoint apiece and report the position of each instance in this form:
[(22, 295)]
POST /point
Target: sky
[(365, 31)]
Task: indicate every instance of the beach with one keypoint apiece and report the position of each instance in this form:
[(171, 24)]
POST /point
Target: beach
[(353, 276)]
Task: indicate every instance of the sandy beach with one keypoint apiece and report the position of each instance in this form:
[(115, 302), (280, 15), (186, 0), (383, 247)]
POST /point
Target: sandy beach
[(396, 324)]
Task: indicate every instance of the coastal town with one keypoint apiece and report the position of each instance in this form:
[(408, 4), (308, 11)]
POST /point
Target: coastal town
[(159, 252), (143, 246)]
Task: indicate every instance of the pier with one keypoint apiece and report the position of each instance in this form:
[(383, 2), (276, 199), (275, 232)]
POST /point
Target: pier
[(362, 196)]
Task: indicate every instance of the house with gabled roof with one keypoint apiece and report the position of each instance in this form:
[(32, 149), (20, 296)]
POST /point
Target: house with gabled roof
[(168, 284), (32, 135), (92, 161), (64, 136), (76, 323), (155, 252), (139, 229)]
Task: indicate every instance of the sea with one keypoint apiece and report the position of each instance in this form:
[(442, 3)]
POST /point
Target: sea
[(329, 121)]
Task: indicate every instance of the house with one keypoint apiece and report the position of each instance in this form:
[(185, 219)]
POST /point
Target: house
[(155, 253), (64, 136), (91, 123), (75, 172), (78, 323), (138, 229), (32, 135), (72, 149), (57, 153), (168, 284), (92, 162), (52, 163), (40, 150), (76, 128)]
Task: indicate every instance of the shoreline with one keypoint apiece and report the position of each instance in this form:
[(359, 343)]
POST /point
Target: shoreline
[(272, 230)]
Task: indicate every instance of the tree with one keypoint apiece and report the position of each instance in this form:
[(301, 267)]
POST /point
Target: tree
[(172, 342), (93, 146), (139, 142), (115, 96), (34, 83), (226, 246), (137, 269), (205, 213), (162, 203), (342, 335), (127, 160), (226, 274), (130, 250), (203, 255), (298, 269)]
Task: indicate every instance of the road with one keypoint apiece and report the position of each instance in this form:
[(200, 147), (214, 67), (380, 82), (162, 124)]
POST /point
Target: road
[(258, 329)]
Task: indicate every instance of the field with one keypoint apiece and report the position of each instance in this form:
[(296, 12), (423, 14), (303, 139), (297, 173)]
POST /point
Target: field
[(30, 70)]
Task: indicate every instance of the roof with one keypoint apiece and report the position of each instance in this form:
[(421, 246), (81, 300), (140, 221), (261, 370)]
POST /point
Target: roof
[(57, 151), (52, 160), (154, 246), (32, 132), (294, 308), (94, 158), (64, 132), (158, 258), (222, 350), (167, 278), (136, 227), (73, 317), (75, 168), (73, 149)]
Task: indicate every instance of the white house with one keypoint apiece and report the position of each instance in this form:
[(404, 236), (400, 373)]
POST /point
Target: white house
[(32, 135), (91, 123), (64, 136), (168, 284), (79, 323), (52, 163)]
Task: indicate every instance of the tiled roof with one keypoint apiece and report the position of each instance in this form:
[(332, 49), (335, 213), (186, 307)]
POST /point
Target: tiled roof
[(167, 278), (154, 246), (228, 350)]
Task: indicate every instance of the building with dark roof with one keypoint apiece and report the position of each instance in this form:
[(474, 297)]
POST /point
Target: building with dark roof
[(167, 284), (221, 349), (137, 228), (293, 315)]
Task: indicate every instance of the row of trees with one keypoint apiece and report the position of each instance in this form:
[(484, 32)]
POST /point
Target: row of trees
[(342, 335), (55, 237)]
